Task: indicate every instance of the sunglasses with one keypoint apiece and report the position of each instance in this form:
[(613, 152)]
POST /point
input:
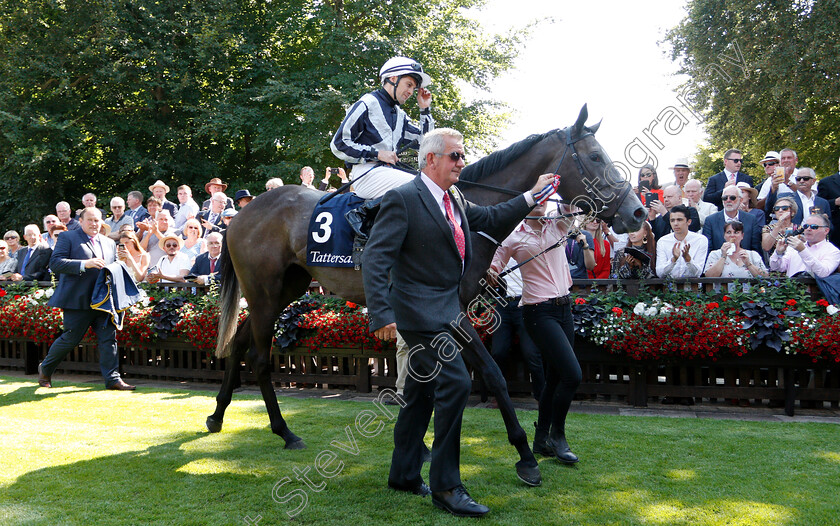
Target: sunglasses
[(453, 155), (812, 227), (4, 248), (730, 198), (771, 163), (782, 208), (9, 238), (171, 245), (192, 228), (804, 178), (735, 160)]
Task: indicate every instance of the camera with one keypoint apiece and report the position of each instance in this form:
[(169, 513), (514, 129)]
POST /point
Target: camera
[(334, 171), (792, 232)]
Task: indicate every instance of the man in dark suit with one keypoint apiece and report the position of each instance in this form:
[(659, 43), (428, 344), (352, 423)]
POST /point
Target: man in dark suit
[(32, 260), (661, 226), (730, 176), (207, 266), (421, 240), (716, 223), (80, 255), (211, 219), (829, 189)]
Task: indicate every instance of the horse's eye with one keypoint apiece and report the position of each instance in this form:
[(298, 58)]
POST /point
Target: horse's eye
[(595, 157)]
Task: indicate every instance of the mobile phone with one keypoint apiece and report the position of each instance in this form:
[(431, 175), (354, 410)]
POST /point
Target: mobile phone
[(152, 269), (650, 197), (334, 171), (121, 245)]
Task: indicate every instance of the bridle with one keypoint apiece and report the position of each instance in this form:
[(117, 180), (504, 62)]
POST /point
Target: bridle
[(602, 191)]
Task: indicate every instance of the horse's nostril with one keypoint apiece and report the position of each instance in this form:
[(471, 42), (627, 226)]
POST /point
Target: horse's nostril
[(639, 213)]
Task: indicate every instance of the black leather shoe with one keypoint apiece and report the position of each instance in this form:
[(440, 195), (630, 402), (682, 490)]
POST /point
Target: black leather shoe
[(119, 385), (43, 380), (421, 489), (458, 502), (562, 450)]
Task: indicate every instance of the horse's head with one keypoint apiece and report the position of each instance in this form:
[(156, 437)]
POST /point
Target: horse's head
[(590, 181)]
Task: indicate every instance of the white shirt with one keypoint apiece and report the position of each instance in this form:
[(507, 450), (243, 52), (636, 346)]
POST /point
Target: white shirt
[(807, 203), (180, 262), (818, 260), (680, 269), (768, 184)]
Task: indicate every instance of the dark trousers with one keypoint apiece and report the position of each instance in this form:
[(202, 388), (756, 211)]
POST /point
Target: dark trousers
[(553, 330), (76, 324), (437, 380), (511, 322)]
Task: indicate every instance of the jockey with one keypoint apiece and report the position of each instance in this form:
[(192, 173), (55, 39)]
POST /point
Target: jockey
[(375, 128)]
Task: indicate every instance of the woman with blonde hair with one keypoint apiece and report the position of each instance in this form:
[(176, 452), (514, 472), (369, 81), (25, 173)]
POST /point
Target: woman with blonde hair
[(132, 255), (194, 243)]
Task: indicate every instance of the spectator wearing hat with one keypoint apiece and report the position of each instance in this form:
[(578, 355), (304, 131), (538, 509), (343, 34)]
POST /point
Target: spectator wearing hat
[(829, 190), (770, 163), (211, 219), (159, 190), (173, 265), (274, 182), (730, 176), (187, 208), (227, 215), (714, 228), (242, 198), (748, 202), (681, 171), (214, 186)]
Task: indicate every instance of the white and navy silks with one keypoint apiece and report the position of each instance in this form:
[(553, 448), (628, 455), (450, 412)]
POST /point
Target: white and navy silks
[(376, 123)]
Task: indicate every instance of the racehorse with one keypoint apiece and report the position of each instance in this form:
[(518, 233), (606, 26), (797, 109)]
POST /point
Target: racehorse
[(264, 257)]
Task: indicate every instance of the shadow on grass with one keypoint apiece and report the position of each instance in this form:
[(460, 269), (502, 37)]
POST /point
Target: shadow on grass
[(28, 392)]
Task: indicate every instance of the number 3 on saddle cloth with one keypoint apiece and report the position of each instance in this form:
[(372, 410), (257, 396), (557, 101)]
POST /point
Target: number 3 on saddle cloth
[(332, 229)]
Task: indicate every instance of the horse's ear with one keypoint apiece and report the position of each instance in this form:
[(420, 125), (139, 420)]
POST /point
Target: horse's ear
[(594, 129), (581, 121)]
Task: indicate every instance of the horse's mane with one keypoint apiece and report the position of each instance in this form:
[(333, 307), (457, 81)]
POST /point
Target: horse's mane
[(500, 159)]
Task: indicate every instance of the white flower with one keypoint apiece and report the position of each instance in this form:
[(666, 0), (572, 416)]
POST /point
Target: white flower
[(364, 310), (38, 294), (666, 308), (639, 309), (146, 301), (49, 292), (832, 310), (650, 312), (243, 303)]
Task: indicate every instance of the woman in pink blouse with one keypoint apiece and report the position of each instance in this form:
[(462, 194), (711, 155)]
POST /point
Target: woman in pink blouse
[(548, 319)]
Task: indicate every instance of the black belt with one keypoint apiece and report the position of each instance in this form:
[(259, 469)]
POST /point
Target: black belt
[(512, 299), (559, 300)]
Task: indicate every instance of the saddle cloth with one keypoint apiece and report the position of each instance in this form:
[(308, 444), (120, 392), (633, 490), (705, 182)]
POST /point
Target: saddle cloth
[(330, 239)]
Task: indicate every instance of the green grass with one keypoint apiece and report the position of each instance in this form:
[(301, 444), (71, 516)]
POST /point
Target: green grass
[(78, 454)]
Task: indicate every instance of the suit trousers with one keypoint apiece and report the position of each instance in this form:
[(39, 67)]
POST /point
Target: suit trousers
[(511, 323), (438, 380), (76, 324), (552, 328)]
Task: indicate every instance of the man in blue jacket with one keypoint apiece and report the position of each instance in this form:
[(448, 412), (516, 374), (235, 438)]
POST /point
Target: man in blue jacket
[(80, 255), (730, 176)]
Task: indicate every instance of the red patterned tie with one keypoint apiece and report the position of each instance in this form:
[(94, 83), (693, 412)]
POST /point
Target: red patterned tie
[(456, 229), (212, 265)]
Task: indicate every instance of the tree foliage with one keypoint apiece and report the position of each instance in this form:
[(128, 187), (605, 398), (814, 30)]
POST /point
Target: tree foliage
[(108, 96), (765, 75)]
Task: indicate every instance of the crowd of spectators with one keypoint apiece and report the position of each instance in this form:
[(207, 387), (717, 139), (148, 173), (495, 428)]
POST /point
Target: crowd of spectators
[(787, 221)]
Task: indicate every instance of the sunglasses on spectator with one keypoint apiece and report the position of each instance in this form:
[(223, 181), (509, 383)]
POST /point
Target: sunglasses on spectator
[(782, 207), (192, 228), (735, 160), (812, 227), (4, 248), (805, 178), (171, 245), (453, 155), (730, 198), (7, 238), (771, 163)]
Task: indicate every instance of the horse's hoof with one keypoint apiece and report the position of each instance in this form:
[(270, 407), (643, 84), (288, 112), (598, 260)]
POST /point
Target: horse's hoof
[(530, 475), (297, 444), (213, 425)]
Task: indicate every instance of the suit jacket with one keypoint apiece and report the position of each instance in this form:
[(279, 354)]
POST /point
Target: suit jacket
[(715, 225), (661, 226), (75, 288), (201, 267), (218, 225), (412, 243), (714, 189), (37, 268), (206, 204), (137, 215), (829, 189), (169, 205)]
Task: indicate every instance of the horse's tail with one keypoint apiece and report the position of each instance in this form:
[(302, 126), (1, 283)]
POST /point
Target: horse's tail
[(228, 303)]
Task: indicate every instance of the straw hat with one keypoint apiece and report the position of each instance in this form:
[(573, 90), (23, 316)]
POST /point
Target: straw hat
[(753, 192), (771, 156), (217, 181), (162, 241), (161, 184), (682, 162)]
